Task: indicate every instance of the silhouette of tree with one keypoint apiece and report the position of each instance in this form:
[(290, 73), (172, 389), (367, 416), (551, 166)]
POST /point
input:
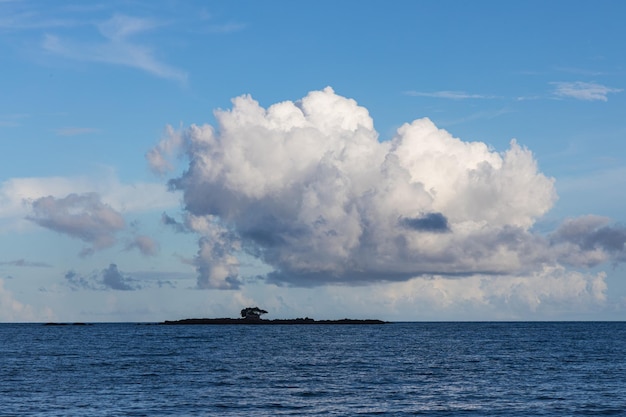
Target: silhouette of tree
[(252, 313)]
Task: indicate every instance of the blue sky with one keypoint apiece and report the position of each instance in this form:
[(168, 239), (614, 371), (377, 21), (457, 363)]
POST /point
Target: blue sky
[(166, 159)]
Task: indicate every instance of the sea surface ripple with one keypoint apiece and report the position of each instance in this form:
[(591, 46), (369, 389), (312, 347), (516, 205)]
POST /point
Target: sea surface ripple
[(396, 369)]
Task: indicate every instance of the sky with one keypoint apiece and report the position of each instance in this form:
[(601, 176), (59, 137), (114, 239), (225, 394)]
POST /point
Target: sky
[(406, 161)]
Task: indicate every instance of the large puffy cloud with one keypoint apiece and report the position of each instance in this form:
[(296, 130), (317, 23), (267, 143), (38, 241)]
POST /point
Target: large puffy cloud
[(82, 216), (308, 188)]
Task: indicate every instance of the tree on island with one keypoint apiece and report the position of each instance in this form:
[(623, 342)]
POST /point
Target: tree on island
[(252, 313)]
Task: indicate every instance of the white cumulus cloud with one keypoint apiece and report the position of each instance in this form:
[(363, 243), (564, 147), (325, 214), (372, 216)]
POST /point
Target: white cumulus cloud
[(308, 188)]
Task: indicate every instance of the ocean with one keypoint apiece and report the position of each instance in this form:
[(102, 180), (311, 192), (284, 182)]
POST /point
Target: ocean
[(395, 369)]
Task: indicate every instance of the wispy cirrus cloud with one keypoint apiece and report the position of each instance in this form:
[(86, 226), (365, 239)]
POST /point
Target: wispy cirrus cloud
[(75, 131), (225, 28), (581, 71), (120, 27), (28, 20), (451, 95), (583, 91), (588, 91), (68, 31), (25, 263), (117, 48)]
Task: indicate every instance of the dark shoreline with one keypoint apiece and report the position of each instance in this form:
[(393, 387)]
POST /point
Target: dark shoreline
[(269, 322)]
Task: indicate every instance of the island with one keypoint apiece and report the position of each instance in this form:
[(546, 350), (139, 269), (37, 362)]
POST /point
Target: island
[(252, 316)]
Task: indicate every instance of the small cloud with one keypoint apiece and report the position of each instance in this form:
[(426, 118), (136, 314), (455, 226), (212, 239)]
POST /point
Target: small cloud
[(77, 282), (170, 221), (583, 91), (431, 222), (167, 284), (160, 157), (590, 240), (146, 245), (81, 216), (113, 279), (528, 98), (75, 131), (108, 279), (452, 95), (18, 194)]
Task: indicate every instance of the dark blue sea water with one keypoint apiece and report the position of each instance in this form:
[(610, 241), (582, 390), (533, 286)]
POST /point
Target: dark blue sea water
[(397, 369)]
